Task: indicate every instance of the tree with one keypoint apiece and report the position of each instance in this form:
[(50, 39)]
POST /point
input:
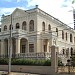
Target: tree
[(73, 1)]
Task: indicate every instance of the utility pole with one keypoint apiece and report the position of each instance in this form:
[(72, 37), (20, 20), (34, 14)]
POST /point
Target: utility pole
[(10, 47)]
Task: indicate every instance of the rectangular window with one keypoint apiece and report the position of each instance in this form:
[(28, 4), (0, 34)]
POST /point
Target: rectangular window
[(66, 36), (23, 48), (31, 47), (62, 34), (74, 19), (74, 16), (45, 48), (70, 37)]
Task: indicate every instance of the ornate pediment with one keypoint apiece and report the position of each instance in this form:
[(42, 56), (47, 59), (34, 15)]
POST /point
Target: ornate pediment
[(19, 13)]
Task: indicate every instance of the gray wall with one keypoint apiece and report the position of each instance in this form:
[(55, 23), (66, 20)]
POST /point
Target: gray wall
[(28, 69)]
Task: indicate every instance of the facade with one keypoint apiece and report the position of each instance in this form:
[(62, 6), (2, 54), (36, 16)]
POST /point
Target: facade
[(35, 31)]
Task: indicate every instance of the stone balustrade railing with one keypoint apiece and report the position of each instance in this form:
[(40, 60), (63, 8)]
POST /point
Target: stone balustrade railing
[(40, 55), (34, 55)]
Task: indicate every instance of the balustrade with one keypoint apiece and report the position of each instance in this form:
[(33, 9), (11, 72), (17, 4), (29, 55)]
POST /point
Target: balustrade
[(40, 55)]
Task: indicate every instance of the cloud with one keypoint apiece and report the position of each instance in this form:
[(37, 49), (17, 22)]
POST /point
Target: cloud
[(8, 0), (21, 1), (7, 11), (12, 0), (18, 0), (46, 5), (56, 8)]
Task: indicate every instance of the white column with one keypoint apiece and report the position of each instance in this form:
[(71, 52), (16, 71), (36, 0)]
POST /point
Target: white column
[(28, 46), (69, 53), (41, 43), (48, 46), (2, 47), (17, 45)]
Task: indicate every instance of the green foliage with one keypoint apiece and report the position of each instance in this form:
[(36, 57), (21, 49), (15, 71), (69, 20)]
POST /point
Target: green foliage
[(48, 63), (73, 1), (4, 61), (31, 62), (73, 59), (60, 63)]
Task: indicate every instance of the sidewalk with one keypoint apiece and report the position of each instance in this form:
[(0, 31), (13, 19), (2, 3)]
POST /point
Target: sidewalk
[(15, 73)]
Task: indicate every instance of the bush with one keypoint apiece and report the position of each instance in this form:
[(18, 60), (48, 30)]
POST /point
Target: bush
[(47, 62), (31, 62), (4, 61), (60, 62), (72, 60)]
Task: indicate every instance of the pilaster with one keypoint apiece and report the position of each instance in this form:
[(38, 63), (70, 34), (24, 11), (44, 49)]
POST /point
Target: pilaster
[(2, 47), (42, 45), (48, 46), (28, 47)]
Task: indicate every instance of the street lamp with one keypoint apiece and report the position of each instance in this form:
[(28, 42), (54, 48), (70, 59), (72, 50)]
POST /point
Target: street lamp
[(10, 47)]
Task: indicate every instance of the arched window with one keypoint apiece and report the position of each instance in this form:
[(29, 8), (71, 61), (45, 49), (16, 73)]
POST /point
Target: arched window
[(66, 35), (62, 34), (71, 51), (49, 27), (43, 26), (10, 27), (31, 25), (57, 31), (5, 28), (70, 37), (17, 25), (24, 27), (63, 51)]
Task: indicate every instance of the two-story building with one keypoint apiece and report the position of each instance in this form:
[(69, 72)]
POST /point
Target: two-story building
[(35, 31)]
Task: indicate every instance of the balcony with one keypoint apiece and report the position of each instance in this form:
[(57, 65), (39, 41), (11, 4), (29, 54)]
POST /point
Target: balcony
[(14, 32)]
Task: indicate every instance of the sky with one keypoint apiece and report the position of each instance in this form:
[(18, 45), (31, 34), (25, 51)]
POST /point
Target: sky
[(60, 9)]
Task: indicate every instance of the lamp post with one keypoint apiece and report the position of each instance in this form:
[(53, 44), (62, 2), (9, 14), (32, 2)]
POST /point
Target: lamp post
[(10, 47)]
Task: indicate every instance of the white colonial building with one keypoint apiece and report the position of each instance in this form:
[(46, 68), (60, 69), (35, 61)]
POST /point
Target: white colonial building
[(35, 31)]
